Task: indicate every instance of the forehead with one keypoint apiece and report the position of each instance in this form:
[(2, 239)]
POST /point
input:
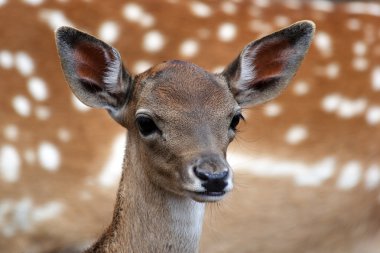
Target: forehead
[(183, 87)]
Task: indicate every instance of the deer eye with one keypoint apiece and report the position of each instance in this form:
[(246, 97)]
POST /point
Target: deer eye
[(235, 121), (146, 125)]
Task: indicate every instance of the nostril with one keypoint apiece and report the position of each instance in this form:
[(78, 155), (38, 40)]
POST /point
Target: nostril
[(219, 176), (223, 174), (208, 176), (201, 174)]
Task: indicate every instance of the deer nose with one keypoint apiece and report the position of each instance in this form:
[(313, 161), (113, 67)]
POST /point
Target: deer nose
[(212, 181)]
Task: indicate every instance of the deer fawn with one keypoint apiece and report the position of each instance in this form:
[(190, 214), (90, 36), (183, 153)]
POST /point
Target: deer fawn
[(180, 120)]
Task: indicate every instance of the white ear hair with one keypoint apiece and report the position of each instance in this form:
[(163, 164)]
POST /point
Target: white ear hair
[(248, 72), (112, 72)]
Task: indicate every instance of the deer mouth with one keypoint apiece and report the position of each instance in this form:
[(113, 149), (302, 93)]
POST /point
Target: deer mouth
[(212, 194), (207, 196)]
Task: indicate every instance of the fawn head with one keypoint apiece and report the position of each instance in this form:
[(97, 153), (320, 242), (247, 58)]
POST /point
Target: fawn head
[(180, 117)]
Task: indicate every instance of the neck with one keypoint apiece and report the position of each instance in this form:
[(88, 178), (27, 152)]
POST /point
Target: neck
[(147, 218)]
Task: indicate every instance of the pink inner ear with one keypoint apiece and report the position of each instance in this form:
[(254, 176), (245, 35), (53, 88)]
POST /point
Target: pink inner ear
[(270, 58), (90, 62)]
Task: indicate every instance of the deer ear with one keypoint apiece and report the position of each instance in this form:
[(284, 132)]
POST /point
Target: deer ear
[(264, 67), (93, 70)]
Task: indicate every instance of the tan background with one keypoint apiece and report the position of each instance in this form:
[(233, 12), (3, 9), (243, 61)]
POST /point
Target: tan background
[(308, 173)]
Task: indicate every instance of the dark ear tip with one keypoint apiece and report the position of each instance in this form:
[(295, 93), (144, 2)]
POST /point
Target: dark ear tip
[(62, 31), (67, 35), (62, 35), (307, 26)]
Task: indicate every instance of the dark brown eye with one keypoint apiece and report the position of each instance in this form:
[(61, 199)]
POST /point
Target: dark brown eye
[(235, 121), (146, 125)]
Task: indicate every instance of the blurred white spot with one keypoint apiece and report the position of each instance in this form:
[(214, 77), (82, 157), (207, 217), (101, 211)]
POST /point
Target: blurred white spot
[(24, 63), (42, 112), (292, 4), (281, 21), (373, 115), (375, 77), (9, 163), (322, 41), (48, 156), (272, 109), (6, 59), (37, 88), (301, 88), (331, 102), (227, 32), (332, 70), (64, 135), (229, 8), (21, 214), (374, 8), (343, 107), (146, 20), (359, 48), (353, 24), (322, 5), (372, 177), (349, 176), (141, 66), (316, 174), (112, 170), (33, 2), (189, 48), (200, 9), (11, 132), (363, 8), (109, 32), (261, 3), (303, 174), (360, 63), (296, 134), (21, 105), (47, 211), (356, 7), (54, 18), (153, 41), (133, 12), (14, 216), (79, 105), (29, 156), (350, 108), (2, 2)]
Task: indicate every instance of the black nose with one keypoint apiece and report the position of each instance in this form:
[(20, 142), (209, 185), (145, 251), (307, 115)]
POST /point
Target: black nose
[(212, 181)]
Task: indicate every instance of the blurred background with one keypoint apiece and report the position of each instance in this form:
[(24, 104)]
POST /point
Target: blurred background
[(306, 165)]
